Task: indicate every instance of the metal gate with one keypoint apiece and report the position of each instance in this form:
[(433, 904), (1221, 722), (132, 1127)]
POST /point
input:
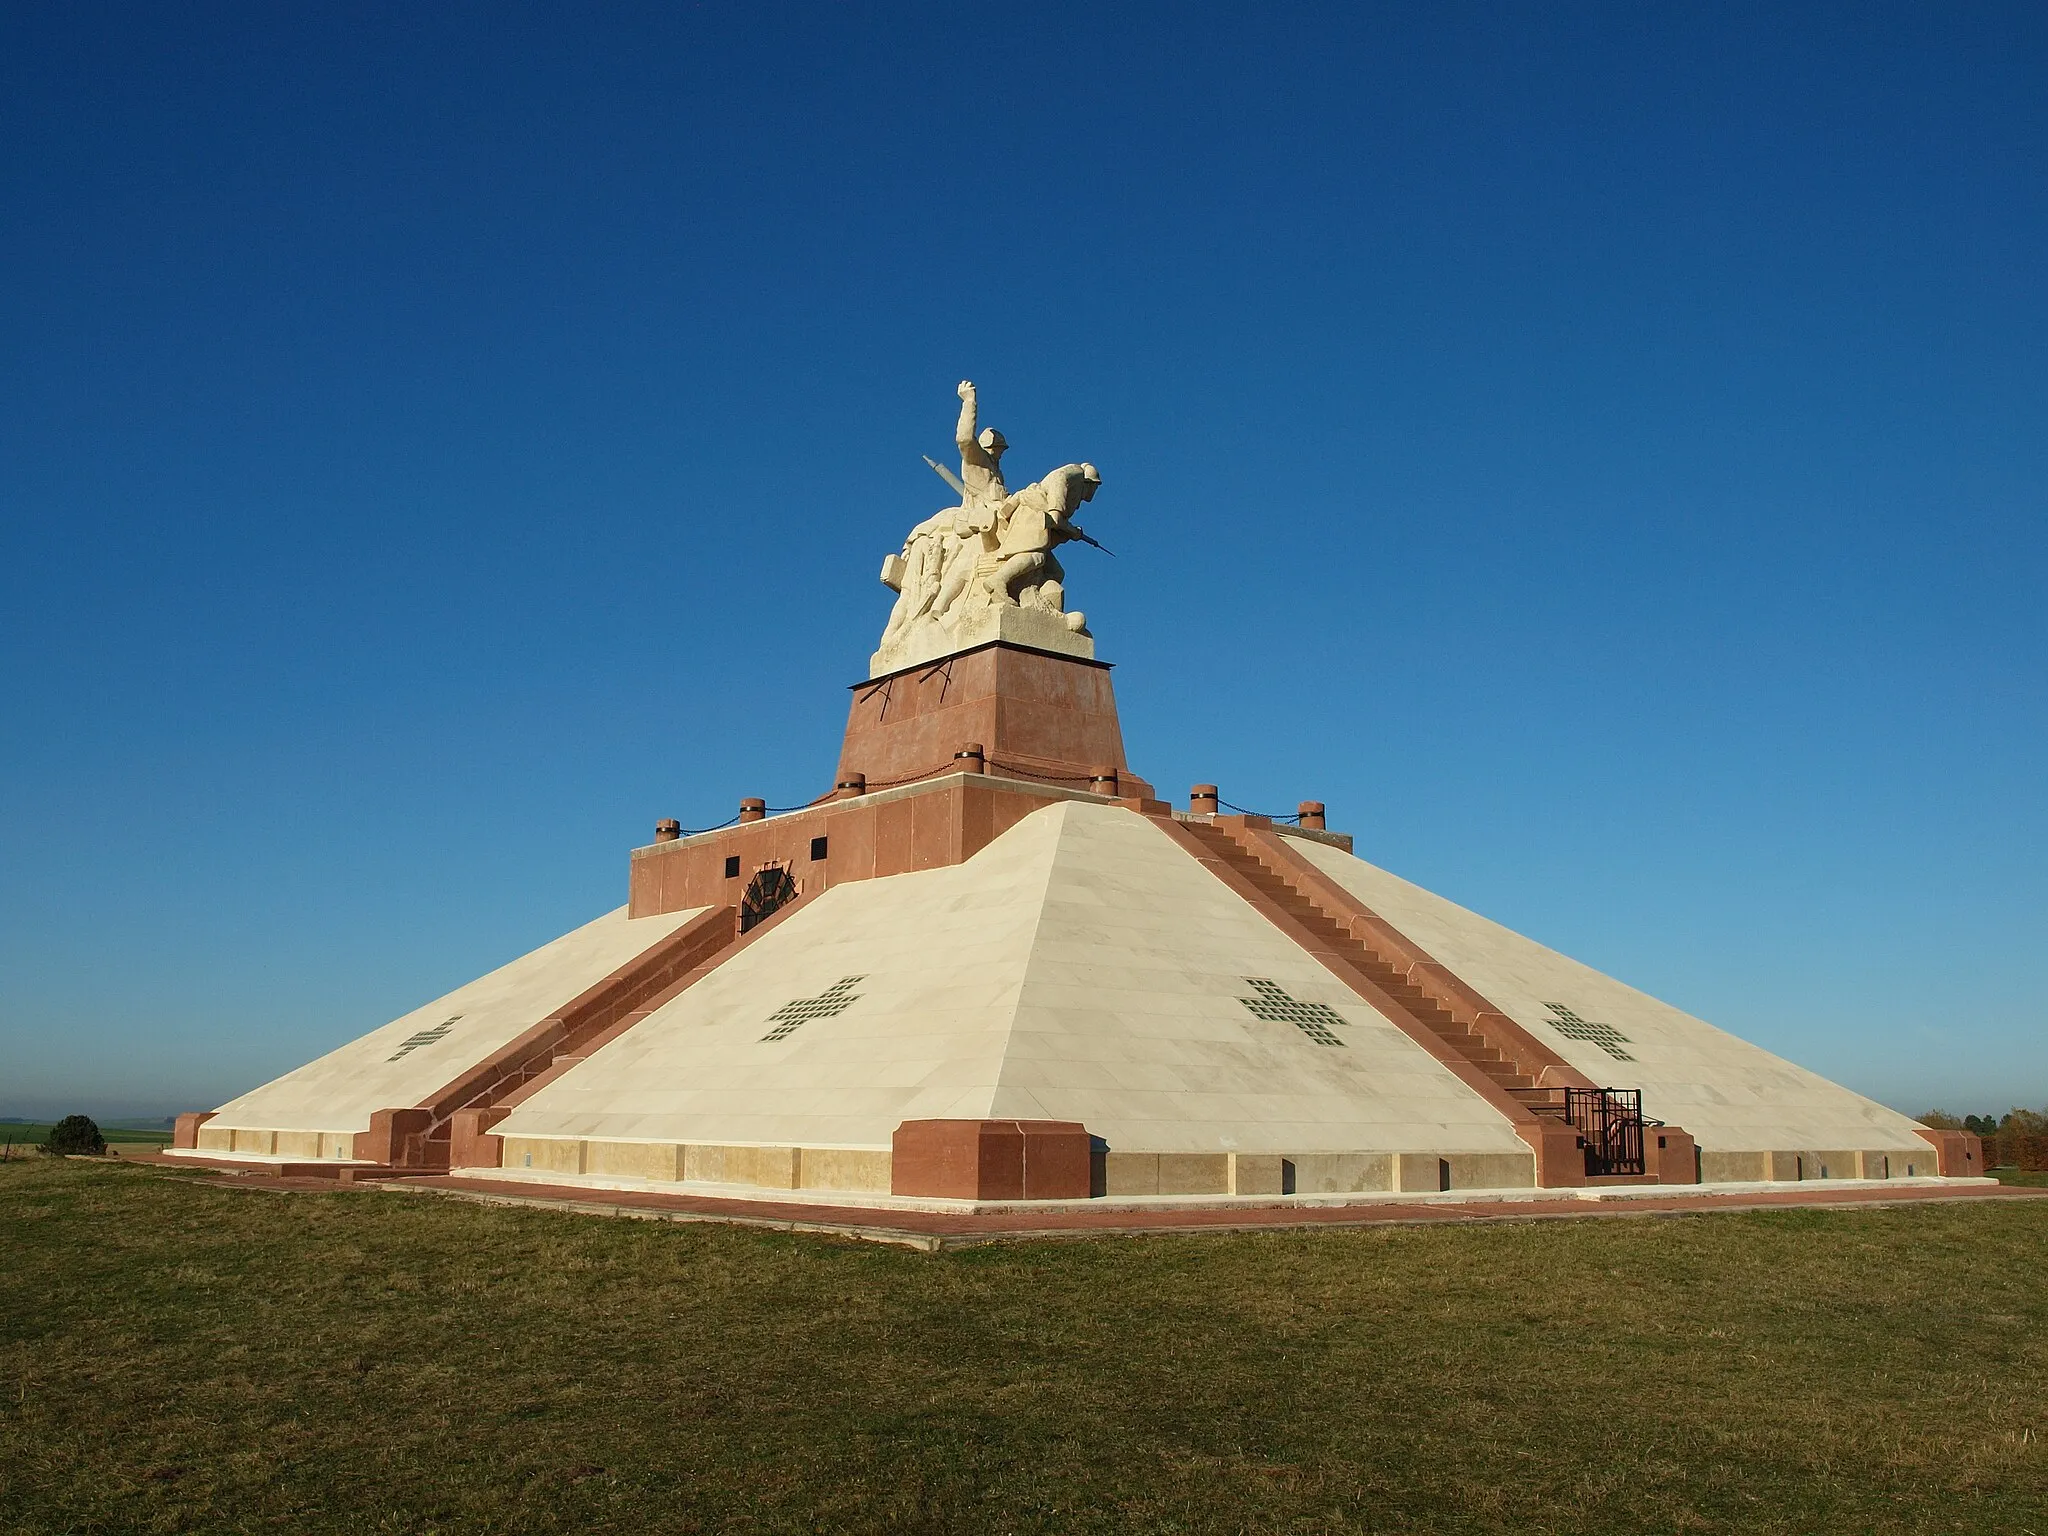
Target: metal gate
[(1611, 1121)]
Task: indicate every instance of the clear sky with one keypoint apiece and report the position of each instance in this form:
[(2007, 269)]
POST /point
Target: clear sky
[(1598, 449)]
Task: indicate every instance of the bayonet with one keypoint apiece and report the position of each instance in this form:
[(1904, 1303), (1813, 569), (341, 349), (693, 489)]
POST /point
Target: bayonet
[(948, 476), (1074, 531)]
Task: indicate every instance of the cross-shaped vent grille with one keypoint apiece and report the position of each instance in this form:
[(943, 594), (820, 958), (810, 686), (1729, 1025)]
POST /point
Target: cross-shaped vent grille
[(1273, 1004), (424, 1037), (1606, 1036), (797, 1012)]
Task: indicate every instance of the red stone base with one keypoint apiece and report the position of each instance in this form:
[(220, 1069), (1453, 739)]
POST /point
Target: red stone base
[(400, 1138), (1560, 1152), (992, 1160), (1670, 1155), (1958, 1154), (470, 1142)]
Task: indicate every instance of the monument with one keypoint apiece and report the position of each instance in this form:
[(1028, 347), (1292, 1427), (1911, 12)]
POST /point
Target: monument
[(990, 964), (985, 570)]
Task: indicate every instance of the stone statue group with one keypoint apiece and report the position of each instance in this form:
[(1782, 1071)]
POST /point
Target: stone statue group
[(994, 549)]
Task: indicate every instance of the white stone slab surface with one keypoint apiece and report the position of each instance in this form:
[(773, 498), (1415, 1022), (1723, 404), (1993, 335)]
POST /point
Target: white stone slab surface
[(341, 1090), (1081, 967), (1729, 1094)]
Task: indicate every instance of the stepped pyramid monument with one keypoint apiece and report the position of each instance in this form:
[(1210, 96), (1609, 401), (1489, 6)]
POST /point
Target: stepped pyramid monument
[(990, 964)]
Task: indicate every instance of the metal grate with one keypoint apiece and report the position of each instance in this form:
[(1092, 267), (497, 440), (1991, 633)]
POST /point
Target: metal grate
[(1274, 1005), (1610, 1120), (767, 893), (1606, 1036), (796, 1013), (424, 1037)]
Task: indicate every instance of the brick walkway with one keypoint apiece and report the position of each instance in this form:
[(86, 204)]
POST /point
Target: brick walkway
[(936, 1230)]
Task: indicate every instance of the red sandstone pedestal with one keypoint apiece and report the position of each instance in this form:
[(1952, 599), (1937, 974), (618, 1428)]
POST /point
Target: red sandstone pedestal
[(1035, 715), (992, 1160)]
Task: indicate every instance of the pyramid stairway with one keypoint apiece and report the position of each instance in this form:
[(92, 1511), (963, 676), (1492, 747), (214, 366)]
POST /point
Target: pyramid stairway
[(491, 1091), (1401, 986)]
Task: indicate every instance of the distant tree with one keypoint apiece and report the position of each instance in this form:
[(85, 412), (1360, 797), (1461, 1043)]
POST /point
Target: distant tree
[(74, 1133), (1983, 1125), (1942, 1120), (2024, 1122)]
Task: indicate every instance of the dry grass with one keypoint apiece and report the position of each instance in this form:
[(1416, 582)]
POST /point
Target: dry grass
[(175, 1357)]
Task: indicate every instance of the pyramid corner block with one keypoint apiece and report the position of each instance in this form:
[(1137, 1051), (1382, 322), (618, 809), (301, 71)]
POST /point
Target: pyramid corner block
[(1957, 1154), (993, 1160)]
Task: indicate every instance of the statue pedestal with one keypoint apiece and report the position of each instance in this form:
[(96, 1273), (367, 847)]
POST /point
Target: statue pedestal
[(1032, 627), (1035, 714)]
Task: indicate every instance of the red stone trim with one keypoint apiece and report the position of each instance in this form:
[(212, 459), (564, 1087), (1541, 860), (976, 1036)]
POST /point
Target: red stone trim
[(470, 1144), (401, 1138), (992, 1160), (1958, 1154), (1533, 1058), (1037, 715), (1674, 1163), (927, 825), (590, 1011), (185, 1130), (1560, 1159), (1670, 1155), (588, 1045), (420, 1135)]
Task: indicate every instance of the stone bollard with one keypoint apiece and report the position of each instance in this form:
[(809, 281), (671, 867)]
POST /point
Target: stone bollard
[(851, 786), (970, 759), (1312, 815), (1203, 800), (667, 830), (1102, 781), (753, 810)]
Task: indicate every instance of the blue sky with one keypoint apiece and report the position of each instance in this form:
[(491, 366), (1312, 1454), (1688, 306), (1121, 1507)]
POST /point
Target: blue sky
[(1597, 449)]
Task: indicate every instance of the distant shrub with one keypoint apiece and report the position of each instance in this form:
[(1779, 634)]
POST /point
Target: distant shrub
[(74, 1134), (2015, 1122)]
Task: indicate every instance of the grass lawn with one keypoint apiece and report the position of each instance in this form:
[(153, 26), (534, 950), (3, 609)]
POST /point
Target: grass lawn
[(179, 1356)]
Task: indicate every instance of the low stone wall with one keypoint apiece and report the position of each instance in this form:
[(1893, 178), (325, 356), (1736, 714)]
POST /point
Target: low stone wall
[(869, 1170), (1124, 1173), (1313, 1173), (848, 1168), (1814, 1164), (312, 1146)]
